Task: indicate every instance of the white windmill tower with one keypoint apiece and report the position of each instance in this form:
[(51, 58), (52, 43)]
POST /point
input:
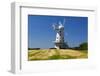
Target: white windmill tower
[(59, 42)]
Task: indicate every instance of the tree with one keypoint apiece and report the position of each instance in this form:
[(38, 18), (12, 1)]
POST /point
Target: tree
[(83, 46)]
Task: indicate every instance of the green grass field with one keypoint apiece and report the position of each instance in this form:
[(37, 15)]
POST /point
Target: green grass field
[(51, 54)]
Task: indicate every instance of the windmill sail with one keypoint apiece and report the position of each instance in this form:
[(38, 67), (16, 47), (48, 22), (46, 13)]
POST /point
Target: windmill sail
[(64, 22)]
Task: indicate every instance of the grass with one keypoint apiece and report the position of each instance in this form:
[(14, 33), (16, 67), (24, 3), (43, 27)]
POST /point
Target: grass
[(51, 54), (61, 57)]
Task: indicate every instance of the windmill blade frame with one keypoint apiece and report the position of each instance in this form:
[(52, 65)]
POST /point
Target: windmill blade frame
[(64, 22), (55, 27)]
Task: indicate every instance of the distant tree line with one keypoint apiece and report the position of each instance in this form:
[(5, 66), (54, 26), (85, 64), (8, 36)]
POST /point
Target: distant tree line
[(82, 46), (33, 48)]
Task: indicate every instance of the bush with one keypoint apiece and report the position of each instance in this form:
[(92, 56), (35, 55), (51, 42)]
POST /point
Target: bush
[(83, 46)]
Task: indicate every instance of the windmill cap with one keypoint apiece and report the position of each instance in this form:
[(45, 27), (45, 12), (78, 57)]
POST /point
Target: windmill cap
[(61, 27)]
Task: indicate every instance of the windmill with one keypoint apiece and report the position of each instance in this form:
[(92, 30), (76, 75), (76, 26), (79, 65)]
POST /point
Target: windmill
[(59, 42)]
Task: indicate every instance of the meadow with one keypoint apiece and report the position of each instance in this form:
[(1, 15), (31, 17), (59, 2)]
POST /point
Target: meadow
[(52, 54)]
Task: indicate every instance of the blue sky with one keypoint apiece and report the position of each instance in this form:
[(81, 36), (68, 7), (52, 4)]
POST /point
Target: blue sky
[(42, 35)]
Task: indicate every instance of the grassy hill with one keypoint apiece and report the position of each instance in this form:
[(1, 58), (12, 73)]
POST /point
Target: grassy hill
[(50, 54)]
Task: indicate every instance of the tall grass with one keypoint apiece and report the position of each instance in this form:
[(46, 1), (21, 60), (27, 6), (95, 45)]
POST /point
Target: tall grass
[(51, 54)]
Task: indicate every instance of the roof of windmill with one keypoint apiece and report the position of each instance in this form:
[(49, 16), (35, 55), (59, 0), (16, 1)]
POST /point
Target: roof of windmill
[(61, 27)]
